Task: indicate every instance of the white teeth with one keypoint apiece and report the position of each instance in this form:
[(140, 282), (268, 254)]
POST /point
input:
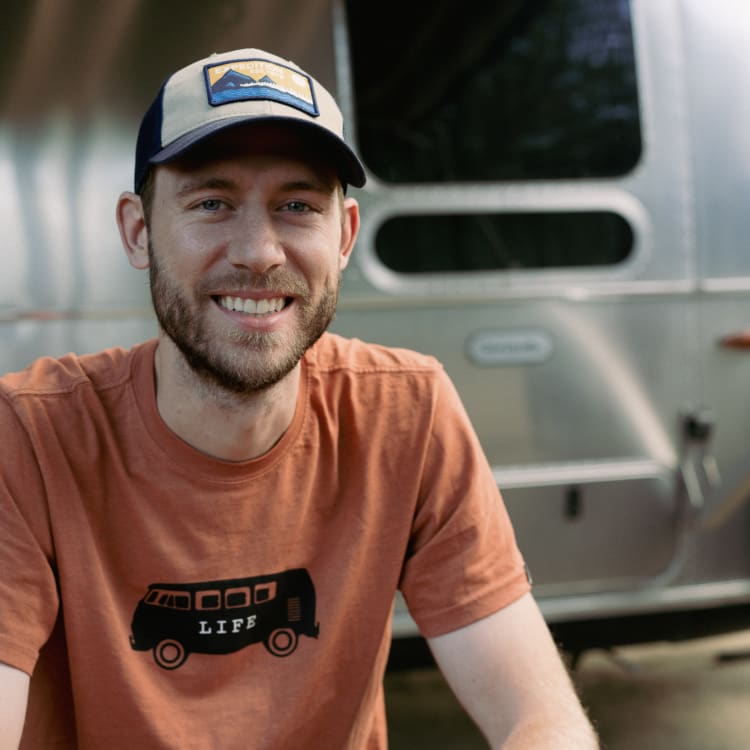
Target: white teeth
[(251, 306)]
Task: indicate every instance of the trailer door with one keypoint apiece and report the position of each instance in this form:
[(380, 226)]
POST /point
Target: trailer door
[(528, 221)]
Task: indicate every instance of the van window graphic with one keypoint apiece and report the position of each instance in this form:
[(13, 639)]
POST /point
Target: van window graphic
[(220, 617)]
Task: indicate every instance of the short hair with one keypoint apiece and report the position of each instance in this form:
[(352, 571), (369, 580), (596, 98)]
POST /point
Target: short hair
[(146, 193)]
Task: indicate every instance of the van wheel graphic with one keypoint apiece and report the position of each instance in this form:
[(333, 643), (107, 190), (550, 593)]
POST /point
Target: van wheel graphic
[(169, 654), (282, 641)]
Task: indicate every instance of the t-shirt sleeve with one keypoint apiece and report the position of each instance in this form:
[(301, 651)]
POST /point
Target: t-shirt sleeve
[(28, 590), (463, 562)]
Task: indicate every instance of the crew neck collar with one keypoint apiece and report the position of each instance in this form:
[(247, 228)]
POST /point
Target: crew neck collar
[(184, 456)]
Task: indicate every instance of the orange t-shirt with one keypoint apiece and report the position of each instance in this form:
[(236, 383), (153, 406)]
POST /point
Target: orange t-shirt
[(161, 598)]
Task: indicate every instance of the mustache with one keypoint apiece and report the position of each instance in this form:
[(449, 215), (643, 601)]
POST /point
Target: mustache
[(243, 281)]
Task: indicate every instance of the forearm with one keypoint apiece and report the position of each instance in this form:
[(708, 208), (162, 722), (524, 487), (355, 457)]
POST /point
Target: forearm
[(506, 672), (548, 735), (14, 689)]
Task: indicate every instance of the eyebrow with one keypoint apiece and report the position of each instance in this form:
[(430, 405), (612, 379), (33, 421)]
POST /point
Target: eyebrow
[(192, 185)]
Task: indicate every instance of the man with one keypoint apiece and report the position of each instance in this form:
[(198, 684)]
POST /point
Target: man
[(202, 537)]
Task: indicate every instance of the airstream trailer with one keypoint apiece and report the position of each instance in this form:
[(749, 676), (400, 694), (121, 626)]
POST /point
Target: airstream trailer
[(556, 209)]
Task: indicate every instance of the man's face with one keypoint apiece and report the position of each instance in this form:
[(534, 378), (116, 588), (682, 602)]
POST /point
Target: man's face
[(247, 241)]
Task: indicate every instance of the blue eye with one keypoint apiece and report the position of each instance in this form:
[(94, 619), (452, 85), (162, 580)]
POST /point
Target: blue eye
[(297, 206), (211, 204)]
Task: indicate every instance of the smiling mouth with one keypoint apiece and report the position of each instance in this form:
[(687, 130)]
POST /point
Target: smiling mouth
[(253, 306)]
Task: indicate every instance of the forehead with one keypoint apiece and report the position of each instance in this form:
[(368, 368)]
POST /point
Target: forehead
[(263, 143)]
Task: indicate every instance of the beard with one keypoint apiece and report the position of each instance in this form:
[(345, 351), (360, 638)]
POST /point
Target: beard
[(240, 362)]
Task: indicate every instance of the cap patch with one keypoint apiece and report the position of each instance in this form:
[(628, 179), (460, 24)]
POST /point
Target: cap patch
[(257, 79)]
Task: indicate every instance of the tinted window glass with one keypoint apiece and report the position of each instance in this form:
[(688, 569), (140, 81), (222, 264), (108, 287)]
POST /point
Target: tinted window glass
[(238, 598), (413, 244), (265, 592), (494, 91), (209, 600)]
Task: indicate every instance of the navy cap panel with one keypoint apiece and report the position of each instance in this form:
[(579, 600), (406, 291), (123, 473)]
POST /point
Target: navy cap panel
[(149, 138)]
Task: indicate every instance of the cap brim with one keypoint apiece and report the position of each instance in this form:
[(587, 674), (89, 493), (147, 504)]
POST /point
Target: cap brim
[(345, 161)]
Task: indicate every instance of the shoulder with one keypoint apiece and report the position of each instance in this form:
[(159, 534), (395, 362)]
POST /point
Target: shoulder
[(375, 383), (333, 353), (51, 377)]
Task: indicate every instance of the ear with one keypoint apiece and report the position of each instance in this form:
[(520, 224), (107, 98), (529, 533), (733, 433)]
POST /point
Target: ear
[(131, 222), (349, 231)]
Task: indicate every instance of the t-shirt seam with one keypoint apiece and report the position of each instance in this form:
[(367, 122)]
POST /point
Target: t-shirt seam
[(251, 475), (376, 370), (433, 439), (16, 394)]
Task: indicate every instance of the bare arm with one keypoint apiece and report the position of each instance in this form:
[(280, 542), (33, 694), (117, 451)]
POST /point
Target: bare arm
[(508, 675), (14, 691)]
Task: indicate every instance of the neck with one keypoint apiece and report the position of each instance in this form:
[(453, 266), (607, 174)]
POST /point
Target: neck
[(218, 422)]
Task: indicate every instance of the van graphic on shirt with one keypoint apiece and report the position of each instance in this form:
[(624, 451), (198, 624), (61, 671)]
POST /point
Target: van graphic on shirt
[(220, 617)]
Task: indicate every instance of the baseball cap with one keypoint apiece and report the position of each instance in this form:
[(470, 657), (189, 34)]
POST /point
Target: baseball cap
[(230, 88)]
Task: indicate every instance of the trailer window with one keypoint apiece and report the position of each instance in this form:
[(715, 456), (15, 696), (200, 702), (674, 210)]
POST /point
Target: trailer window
[(494, 91), (511, 241)]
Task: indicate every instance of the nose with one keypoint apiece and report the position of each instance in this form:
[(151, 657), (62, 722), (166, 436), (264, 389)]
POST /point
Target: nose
[(256, 245)]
